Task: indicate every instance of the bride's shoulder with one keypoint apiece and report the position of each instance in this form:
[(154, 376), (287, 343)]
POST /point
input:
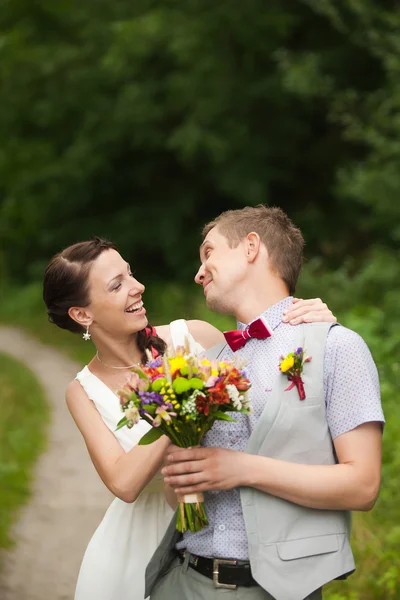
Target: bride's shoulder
[(74, 390), (74, 393), (163, 331), (204, 333), (79, 404)]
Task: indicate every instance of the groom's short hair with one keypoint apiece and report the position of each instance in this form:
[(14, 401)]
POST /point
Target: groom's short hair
[(284, 241)]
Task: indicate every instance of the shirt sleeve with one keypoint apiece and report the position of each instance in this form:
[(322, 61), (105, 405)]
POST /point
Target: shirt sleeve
[(351, 382)]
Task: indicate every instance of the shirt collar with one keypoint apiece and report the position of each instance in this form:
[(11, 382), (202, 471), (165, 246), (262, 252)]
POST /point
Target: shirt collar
[(273, 314)]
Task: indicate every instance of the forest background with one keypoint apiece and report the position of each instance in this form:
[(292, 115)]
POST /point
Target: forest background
[(139, 121)]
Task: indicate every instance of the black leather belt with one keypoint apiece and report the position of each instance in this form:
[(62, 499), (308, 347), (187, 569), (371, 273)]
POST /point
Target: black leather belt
[(228, 574)]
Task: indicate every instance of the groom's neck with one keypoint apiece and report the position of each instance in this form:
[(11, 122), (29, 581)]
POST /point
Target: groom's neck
[(257, 299)]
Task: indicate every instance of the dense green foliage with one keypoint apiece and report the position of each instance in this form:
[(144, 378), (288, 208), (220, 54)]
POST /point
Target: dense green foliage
[(139, 121), (24, 415)]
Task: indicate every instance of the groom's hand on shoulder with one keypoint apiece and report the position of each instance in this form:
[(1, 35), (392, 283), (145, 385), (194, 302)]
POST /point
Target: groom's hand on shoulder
[(191, 470)]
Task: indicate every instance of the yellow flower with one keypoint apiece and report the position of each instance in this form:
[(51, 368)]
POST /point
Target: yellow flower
[(287, 364), (206, 362), (176, 363), (214, 372)]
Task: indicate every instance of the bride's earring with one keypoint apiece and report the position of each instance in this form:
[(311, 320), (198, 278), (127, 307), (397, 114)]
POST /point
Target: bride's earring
[(86, 336)]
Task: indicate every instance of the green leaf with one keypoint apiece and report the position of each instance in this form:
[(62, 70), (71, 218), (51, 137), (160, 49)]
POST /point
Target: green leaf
[(151, 436), (221, 416), (141, 373), (121, 423)]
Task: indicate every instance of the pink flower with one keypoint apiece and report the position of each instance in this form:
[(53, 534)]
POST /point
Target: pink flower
[(142, 385), (211, 381), (132, 381), (163, 414)]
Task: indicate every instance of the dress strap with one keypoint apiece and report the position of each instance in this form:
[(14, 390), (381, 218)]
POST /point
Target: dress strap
[(87, 381), (179, 332)]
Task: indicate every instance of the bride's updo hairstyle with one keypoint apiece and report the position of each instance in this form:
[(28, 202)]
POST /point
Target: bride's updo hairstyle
[(66, 284)]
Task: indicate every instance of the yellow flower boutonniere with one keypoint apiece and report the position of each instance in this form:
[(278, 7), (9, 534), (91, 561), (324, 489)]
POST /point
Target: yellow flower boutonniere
[(292, 366)]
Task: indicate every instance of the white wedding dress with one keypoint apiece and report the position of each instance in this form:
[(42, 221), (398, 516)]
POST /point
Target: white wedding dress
[(114, 563)]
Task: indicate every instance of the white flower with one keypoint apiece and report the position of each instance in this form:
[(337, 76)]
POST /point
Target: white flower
[(245, 398), (234, 396), (132, 414), (189, 405)]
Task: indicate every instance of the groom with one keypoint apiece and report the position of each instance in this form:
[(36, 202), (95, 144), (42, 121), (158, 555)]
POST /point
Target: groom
[(279, 484)]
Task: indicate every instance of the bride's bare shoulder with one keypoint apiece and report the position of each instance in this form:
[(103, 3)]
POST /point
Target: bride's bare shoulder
[(74, 393), (163, 331), (204, 333)]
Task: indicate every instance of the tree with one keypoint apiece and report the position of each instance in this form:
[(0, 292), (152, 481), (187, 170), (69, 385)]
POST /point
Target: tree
[(141, 121)]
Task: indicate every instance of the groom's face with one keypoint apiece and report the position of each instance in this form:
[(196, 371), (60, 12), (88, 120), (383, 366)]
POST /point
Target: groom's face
[(222, 271)]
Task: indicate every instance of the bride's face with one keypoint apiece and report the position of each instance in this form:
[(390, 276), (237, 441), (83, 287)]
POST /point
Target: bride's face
[(116, 305)]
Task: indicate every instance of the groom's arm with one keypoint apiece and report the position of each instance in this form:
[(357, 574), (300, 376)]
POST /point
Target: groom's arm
[(354, 417), (353, 484)]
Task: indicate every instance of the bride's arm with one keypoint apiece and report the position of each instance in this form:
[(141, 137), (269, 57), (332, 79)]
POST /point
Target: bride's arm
[(204, 333), (170, 496), (124, 473), (301, 311)]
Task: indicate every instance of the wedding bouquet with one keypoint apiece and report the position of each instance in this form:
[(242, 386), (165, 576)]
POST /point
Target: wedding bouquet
[(181, 396)]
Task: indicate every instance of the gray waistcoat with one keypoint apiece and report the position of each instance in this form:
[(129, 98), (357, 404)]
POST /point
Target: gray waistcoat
[(293, 550)]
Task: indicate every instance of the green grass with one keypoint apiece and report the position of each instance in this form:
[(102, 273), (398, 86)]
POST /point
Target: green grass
[(24, 415)]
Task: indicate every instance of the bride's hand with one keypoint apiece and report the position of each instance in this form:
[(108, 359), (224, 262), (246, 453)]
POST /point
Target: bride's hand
[(308, 311)]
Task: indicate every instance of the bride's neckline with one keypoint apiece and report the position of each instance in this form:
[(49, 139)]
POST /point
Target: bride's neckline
[(102, 382)]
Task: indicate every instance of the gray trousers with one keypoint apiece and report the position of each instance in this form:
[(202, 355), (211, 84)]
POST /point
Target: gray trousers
[(181, 582)]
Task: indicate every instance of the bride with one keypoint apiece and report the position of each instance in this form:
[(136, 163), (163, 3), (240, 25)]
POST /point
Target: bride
[(89, 289)]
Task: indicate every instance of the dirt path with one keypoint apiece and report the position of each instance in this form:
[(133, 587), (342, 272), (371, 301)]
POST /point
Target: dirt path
[(68, 499)]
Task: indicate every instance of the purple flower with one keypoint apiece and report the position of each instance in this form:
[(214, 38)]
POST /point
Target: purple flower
[(299, 351), (155, 363), (150, 397)]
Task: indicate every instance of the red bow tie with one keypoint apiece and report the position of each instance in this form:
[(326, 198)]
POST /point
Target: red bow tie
[(259, 329)]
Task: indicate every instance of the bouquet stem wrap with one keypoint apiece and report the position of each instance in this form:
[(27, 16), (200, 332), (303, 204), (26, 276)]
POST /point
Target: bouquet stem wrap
[(191, 513)]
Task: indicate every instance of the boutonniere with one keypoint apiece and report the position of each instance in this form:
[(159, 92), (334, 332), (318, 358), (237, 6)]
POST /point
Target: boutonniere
[(292, 366)]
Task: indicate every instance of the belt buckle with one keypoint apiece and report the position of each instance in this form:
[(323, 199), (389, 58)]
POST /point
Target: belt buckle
[(216, 563)]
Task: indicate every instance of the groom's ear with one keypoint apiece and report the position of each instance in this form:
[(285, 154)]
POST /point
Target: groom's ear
[(80, 316), (252, 246)]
